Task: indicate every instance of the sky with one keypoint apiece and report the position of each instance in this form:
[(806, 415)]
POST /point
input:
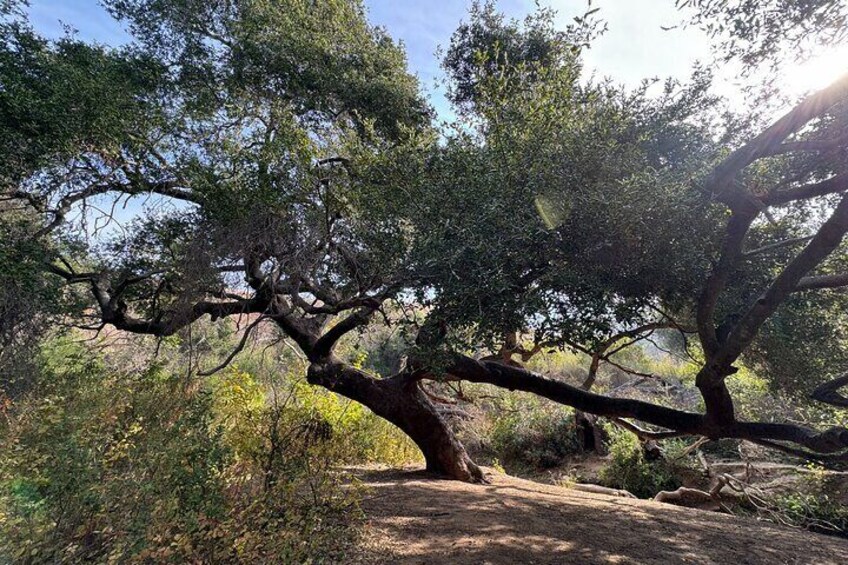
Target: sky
[(635, 47)]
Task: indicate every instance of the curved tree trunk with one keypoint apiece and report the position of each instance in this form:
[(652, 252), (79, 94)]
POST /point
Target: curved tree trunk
[(400, 401)]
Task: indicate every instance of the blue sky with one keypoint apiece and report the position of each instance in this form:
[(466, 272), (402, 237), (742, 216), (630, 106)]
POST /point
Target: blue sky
[(634, 48)]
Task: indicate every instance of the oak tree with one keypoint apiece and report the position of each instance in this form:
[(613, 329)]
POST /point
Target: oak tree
[(311, 190)]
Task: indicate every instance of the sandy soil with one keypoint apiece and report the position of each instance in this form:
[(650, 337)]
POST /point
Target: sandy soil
[(413, 518)]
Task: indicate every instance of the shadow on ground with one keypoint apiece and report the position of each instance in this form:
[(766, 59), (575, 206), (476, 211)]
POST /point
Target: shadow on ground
[(415, 518)]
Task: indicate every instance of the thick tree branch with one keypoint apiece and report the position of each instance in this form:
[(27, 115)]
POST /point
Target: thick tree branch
[(324, 345), (812, 145), (745, 206), (516, 378), (165, 325), (833, 185), (827, 239), (828, 392), (677, 422), (69, 275), (721, 181), (113, 310), (822, 281), (295, 329), (731, 252)]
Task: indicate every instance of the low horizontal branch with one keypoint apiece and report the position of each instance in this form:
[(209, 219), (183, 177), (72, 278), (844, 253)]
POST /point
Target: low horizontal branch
[(677, 422)]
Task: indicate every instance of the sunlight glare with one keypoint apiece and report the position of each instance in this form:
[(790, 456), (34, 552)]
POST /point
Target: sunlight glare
[(818, 72)]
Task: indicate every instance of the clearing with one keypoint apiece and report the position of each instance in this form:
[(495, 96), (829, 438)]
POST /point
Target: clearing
[(413, 518)]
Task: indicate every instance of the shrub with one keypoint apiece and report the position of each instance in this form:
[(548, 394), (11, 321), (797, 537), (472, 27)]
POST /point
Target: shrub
[(298, 413), (359, 436), (354, 433), (532, 436), (155, 467), (811, 511), (817, 505), (628, 469)]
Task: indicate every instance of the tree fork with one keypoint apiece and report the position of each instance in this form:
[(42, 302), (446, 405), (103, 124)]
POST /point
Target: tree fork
[(717, 400)]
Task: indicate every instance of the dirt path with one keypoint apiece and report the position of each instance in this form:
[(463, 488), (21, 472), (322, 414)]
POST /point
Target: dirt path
[(413, 518)]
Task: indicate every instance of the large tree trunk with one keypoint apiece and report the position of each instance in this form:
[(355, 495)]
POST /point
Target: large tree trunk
[(400, 401), (719, 404)]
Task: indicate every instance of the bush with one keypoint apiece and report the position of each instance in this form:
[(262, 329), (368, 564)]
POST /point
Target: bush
[(532, 436), (628, 469), (151, 466), (815, 506), (348, 432), (811, 511), (354, 434)]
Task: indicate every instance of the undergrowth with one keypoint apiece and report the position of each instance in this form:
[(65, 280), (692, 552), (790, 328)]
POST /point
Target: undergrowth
[(628, 468), (155, 466)]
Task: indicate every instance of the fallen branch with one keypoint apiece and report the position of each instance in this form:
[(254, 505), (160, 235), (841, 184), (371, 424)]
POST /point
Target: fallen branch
[(597, 489)]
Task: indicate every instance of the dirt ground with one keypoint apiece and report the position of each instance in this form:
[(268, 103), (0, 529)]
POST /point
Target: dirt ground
[(413, 518)]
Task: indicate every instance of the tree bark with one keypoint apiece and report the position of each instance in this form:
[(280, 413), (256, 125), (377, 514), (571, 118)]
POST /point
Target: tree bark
[(399, 400), (717, 399)]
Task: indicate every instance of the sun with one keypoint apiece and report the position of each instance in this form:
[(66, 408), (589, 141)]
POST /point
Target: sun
[(818, 71)]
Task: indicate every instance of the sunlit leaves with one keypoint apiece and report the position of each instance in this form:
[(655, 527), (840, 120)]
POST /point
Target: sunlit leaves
[(770, 31)]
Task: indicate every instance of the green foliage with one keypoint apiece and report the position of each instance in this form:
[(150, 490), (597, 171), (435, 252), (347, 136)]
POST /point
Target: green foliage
[(563, 363), (817, 505), (536, 443), (229, 106), (348, 432), (528, 434), (628, 469), (769, 31), (63, 98), (151, 466), (29, 301), (763, 399), (813, 511), (325, 56), (534, 138), (361, 435), (489, 46), (804, 342)]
